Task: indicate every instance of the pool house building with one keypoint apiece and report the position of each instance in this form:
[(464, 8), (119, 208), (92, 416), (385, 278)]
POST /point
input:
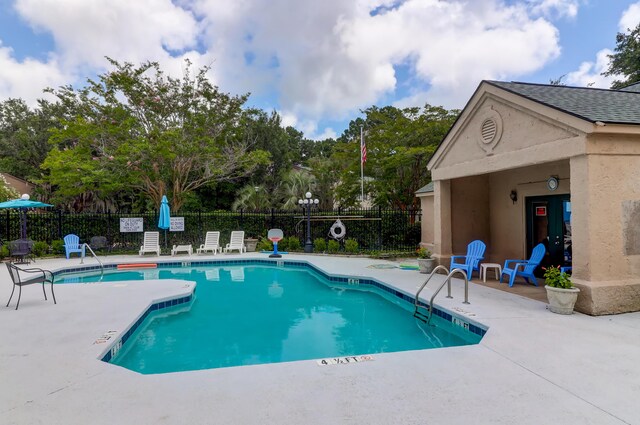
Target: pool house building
[(531, 163)]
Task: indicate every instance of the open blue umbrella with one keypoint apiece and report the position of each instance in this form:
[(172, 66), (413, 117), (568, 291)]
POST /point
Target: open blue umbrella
[(22, 205), (164, 221)]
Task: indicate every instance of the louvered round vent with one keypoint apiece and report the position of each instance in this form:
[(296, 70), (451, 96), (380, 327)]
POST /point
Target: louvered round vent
[(489, 129)]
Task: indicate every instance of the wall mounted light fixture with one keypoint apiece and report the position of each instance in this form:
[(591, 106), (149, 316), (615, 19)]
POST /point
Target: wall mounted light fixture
[(514, 196)]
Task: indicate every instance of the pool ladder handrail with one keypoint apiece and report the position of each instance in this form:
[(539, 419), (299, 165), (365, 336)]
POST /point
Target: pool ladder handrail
[(86, 246), (417, 314)]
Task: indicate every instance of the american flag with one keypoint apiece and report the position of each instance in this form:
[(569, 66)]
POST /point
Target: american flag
[(363, 148)]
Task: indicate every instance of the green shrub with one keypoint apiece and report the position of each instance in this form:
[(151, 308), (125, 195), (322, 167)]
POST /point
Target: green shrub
[(265, 245), (319, 245), (351, 246), (283, 245), (333, 246), (40, 248), (4, 251), (57, 246), (294, 243)]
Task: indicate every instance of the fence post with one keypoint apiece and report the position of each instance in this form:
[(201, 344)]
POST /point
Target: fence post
[(8, 227), (241, 217), (272, 225), (59, 224), (380, 227)]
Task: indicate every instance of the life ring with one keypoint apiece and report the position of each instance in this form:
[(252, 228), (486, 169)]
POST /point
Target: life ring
[(338, 231)]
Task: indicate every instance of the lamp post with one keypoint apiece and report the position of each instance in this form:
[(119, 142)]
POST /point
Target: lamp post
[(307, 203)]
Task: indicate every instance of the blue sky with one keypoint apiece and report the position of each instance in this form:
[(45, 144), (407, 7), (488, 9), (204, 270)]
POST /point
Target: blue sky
[(317, 63)]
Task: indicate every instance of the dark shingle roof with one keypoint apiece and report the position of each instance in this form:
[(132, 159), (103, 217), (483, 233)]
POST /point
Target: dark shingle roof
[(632, 87), (608, 106), (425, 189)]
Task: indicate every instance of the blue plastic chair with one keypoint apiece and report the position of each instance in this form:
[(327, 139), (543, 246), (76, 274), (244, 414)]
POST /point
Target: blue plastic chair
[(72, 245), (475, 253), (524, 268)]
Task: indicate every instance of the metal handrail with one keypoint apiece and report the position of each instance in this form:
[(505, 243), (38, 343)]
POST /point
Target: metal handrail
[(94, 256), (447, 282), (416, 313)]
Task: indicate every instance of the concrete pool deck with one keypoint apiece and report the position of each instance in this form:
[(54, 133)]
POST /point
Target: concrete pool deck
[(532, 366)]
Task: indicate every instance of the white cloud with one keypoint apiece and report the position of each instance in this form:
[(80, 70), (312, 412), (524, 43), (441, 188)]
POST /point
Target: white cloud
[(559, 8), (630, 18), (87, 31), (318, 60), (590, 73), (26, 79)]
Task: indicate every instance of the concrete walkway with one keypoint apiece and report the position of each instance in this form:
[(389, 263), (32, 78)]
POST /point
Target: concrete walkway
[(532, 367)]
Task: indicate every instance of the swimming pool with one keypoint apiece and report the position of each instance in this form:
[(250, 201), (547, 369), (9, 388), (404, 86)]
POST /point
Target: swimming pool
[(254, 314)]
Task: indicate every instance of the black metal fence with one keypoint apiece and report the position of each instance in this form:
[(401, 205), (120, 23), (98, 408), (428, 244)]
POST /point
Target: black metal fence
[(374, 228)]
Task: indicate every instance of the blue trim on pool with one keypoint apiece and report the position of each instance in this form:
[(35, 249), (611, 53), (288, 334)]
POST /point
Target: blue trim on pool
[(116, 346)]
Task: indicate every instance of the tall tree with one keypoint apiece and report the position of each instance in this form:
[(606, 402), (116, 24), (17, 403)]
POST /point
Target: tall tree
[(140, 129), (625, 60), (399, 144), (24, 135)]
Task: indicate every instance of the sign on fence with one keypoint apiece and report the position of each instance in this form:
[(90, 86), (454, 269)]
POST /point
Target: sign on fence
[(176, 224), (129, 225)]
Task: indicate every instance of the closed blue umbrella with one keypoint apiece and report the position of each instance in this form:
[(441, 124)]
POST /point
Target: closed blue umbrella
[(22, 205), (164, 221)]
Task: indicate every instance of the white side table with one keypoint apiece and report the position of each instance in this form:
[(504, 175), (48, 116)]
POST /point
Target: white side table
[(182, 248), (497, 269)]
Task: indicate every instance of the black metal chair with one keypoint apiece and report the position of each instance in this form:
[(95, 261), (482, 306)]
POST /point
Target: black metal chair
[(43, 276), (20, 251)]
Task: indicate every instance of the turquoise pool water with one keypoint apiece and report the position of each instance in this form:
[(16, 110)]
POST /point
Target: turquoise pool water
[(245, 315)]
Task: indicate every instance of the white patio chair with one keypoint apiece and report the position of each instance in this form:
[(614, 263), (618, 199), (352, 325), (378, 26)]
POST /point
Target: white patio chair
[(211, 243), (151, 243), (236, 242)]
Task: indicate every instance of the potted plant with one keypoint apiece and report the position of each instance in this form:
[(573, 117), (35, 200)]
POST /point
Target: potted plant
[(250, 243), (561, 292), (425, 262)]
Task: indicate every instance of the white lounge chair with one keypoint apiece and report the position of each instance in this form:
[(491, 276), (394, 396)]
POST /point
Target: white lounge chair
[(211, 243), (236, 242), (151, 243)]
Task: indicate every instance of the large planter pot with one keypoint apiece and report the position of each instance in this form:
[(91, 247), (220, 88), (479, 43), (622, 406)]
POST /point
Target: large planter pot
[(426, 265), (561, 300), (250, 244)]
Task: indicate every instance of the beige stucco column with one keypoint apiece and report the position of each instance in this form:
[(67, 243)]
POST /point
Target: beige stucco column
[(605, 198), (442, 221)]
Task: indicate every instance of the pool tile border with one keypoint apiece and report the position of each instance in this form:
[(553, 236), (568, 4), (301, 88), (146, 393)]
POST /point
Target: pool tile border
[(458, 320)]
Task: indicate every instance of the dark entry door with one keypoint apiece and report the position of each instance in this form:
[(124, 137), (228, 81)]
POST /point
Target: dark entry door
[(549, 222)]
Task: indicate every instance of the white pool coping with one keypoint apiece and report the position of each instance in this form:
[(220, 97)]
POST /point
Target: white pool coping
[(532, 367)]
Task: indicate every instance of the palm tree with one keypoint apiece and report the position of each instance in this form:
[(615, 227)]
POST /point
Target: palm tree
[(252, 198), (293, 187)]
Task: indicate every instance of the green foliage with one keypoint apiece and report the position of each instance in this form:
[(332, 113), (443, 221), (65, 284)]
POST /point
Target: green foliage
[(294, 243), (399, 144), (556, 279), (57, 246), (4, 251), (320, 245), (139, 129), (24, 133), (40, 248), (333, 246), (6, 192), (283, 244), (624, 61), (264, 244), (423, 252), (351, 246)]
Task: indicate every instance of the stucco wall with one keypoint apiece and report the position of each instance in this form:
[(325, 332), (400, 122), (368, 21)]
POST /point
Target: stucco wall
[(508, 220), (426, 226), (469, 212), (608, 197)]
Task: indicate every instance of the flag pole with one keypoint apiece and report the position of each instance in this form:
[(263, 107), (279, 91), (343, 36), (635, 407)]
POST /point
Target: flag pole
[(361, 167)]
